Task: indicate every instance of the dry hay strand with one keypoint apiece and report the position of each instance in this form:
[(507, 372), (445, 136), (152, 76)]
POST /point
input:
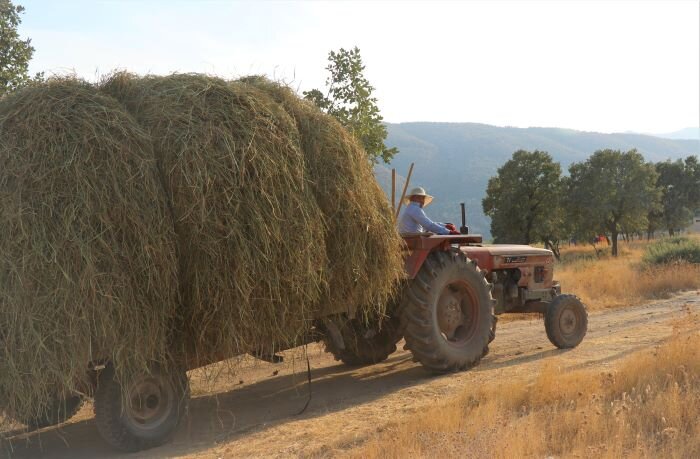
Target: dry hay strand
[(363, 247), (87, 255), (250, 239)]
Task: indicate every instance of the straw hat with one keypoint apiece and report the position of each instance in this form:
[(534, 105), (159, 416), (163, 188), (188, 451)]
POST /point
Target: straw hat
[(419, 191)]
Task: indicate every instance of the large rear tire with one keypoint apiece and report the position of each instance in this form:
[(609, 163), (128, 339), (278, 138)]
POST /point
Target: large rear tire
[(365, 344), (566, 321), (448, 311), (143, 415)]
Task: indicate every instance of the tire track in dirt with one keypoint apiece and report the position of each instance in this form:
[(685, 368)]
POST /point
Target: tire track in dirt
[(258, 417)]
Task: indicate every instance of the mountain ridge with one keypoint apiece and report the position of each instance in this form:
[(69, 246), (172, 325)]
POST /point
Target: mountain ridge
[(455, 160), (685, 133)]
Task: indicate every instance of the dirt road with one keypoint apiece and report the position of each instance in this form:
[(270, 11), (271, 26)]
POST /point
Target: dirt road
[(255, 412)]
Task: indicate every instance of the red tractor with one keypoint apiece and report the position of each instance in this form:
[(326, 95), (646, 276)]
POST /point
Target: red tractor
[(454, 290)]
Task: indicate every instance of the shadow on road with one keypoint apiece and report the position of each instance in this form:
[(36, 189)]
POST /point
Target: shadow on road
[(228, 415)]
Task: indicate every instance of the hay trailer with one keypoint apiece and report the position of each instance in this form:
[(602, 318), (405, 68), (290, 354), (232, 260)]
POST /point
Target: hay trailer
[(446, 312), (454, 290)]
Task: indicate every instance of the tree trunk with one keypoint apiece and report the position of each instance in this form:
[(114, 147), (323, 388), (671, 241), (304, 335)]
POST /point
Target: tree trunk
[(614, 243), (548, 244), (671, 233)]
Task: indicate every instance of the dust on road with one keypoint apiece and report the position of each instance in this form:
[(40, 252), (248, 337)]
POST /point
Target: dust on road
[(254, 412)]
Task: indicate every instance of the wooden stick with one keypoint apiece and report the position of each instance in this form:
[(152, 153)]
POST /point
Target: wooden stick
[(393, 191), (403, 193)]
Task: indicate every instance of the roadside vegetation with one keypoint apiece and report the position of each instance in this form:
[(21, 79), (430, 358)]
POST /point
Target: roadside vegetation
[(642, 271), (613, 195), (675, 250), (646, 407)]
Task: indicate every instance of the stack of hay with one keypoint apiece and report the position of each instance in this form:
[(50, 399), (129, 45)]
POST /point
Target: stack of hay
[(150, 218), (88, 267)]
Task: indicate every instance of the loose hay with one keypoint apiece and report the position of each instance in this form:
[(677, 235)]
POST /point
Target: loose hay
[(87, 259), (362, 244), (190, 215), (249, 234)]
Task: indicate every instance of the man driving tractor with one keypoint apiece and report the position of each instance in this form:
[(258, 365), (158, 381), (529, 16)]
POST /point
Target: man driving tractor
[(414, 220)]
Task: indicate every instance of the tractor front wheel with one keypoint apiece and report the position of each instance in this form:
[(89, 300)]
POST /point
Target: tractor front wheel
[(448, 312), (566, 321), (143, 413)]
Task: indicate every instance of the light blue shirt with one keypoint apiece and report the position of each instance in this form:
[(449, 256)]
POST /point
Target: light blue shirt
[(414, 220)]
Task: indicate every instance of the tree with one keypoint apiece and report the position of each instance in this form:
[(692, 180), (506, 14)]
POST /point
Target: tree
[(612, 192), (680, 195), (349, 99), (524, 201), (691, 183), (15, 53)]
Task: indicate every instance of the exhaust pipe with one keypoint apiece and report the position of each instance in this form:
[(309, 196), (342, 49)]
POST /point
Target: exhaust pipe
[(464, 229)]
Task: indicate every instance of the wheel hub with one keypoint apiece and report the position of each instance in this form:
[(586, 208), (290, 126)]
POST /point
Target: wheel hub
[(568, 322), (150, 401), (450, 314), (455, 313)]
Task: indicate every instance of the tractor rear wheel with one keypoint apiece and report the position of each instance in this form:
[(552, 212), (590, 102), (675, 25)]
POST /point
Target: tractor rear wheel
[(448, 313), (365, 345), (566, 321), (143, 413)]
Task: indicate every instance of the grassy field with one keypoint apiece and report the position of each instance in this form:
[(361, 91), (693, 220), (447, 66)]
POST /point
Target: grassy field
[(645, 407), (608, 282)]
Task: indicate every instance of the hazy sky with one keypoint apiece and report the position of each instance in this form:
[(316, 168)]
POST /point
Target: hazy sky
[(603, 66)]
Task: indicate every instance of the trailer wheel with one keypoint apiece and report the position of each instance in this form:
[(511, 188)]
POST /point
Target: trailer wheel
[(365, 345), (566, 321), (448, 311), (58, 410), (143, 415)]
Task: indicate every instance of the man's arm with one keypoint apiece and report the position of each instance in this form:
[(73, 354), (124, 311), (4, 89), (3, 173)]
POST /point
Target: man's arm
[(429, 225)]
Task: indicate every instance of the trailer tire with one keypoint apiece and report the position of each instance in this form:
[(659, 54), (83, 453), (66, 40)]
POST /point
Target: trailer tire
[(566, 321), (448, 313), (364, 345), (144, 416)]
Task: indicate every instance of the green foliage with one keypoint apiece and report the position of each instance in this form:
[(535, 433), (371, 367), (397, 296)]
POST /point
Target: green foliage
[(524, 200), (679, 183), (611, 192), (350, 100), (673, 250), (15, 53)]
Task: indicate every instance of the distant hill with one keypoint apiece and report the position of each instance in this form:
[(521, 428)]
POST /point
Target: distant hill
[(455, 160), (687, 133)]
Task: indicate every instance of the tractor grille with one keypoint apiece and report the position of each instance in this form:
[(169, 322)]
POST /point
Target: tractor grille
[(539, 274)]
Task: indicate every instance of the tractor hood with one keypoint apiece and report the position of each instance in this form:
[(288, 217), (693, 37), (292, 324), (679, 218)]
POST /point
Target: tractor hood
[(506, 256), (507, 249)]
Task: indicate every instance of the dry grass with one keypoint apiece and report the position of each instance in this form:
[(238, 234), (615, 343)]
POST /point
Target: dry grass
[(614, 282), (648, 407), (87, 258), (246, 223), (363, 270)]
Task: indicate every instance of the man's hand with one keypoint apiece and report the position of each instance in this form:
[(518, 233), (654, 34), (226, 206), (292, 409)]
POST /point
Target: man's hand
[(451, 227)]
